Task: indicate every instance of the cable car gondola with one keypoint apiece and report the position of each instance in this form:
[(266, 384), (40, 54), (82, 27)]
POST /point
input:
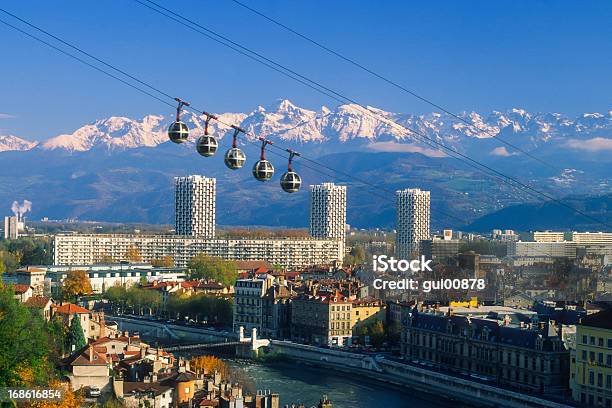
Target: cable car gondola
[(263, 170), (206, 144), (178, 132), (234, 157), (291, 181)]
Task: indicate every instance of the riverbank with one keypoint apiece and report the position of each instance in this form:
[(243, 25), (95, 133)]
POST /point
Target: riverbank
[(298, 382)]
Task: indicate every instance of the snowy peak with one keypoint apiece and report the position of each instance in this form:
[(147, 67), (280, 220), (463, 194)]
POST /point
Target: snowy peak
[(13, 143), (341, 127), (112, 133)]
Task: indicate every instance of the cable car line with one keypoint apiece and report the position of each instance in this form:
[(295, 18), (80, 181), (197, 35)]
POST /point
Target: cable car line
[(391, 82), (452, 151), (473, 163)]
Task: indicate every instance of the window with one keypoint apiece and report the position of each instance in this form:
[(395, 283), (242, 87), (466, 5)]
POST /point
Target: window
[(599, 379), (600, 342), (584, 355), (592, 340), (584, 339), (609, 343), (609, 360), (591, 378)]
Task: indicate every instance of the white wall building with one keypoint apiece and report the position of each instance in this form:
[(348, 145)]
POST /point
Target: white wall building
[(412, 222), (548, 236), (565, 249), (88, 249), (194, 208), (328, 212)]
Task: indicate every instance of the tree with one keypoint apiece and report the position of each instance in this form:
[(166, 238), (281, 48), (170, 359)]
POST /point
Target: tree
[(209, 365), (24, 343), (357, 256), (76, 338), (70, 399), (209, 267), (377, 333), (133, 254), (76, 284), (163, 262)]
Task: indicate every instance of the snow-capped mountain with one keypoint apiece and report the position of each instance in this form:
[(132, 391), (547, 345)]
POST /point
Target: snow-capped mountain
[(349, 126), (13, 143)]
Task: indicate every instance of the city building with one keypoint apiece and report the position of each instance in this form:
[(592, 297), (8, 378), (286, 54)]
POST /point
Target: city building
[(591, 369), (249, 302), (11, 227), (328, 212), (501, 348), (322, 320), (194, 207), (440, 250), (505, 235), (290, 253), (549, 236), (49, 278), (31, 276), (565, 249), (412, 222), (365, 310)]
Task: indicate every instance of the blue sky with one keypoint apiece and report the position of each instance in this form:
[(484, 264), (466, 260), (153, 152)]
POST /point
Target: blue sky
[(469, 55)]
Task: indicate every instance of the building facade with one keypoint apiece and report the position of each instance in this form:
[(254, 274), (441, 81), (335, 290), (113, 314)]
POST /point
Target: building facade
[(522, 356), (328, 212), (565, 249), (194, 206), (412, 222), (322, 320), (89, 249), (591, 371)]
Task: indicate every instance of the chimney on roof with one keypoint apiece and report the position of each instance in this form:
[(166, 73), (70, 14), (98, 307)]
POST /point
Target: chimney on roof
[(91, 353)]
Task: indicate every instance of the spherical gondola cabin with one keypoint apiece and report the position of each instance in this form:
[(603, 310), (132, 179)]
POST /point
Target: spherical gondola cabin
[(263, 170), (178, 132), (207, 145), (234, 158), (291, 182)]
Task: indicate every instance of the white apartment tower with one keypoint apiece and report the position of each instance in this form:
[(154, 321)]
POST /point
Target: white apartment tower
[(412, 222), (194, 208), (328, 212)]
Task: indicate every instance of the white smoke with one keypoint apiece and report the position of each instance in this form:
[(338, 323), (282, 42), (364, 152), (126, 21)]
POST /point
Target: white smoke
[(20, 209)]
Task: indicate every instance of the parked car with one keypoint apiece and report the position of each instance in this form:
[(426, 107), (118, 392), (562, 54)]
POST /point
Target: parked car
[(94, 392)]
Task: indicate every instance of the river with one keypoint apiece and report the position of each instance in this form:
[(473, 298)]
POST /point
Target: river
[(298, 383)]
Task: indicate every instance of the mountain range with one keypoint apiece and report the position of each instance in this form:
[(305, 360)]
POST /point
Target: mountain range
[(120, 169)]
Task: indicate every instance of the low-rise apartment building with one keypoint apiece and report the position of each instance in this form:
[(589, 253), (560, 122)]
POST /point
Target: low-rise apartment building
[(322, 320)]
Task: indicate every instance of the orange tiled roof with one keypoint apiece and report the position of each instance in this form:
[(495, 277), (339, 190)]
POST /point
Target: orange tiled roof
[(71, 308)]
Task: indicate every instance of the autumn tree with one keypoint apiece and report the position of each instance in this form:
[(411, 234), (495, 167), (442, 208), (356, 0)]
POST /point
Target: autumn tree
[(76, 284), (209, 365), (209, 267), (163, 262), (133, 254), (70, 399)]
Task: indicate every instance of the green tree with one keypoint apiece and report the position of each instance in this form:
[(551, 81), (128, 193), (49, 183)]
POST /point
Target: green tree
[(376, 333), (76, 338), (24, 343), (208, 267)]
